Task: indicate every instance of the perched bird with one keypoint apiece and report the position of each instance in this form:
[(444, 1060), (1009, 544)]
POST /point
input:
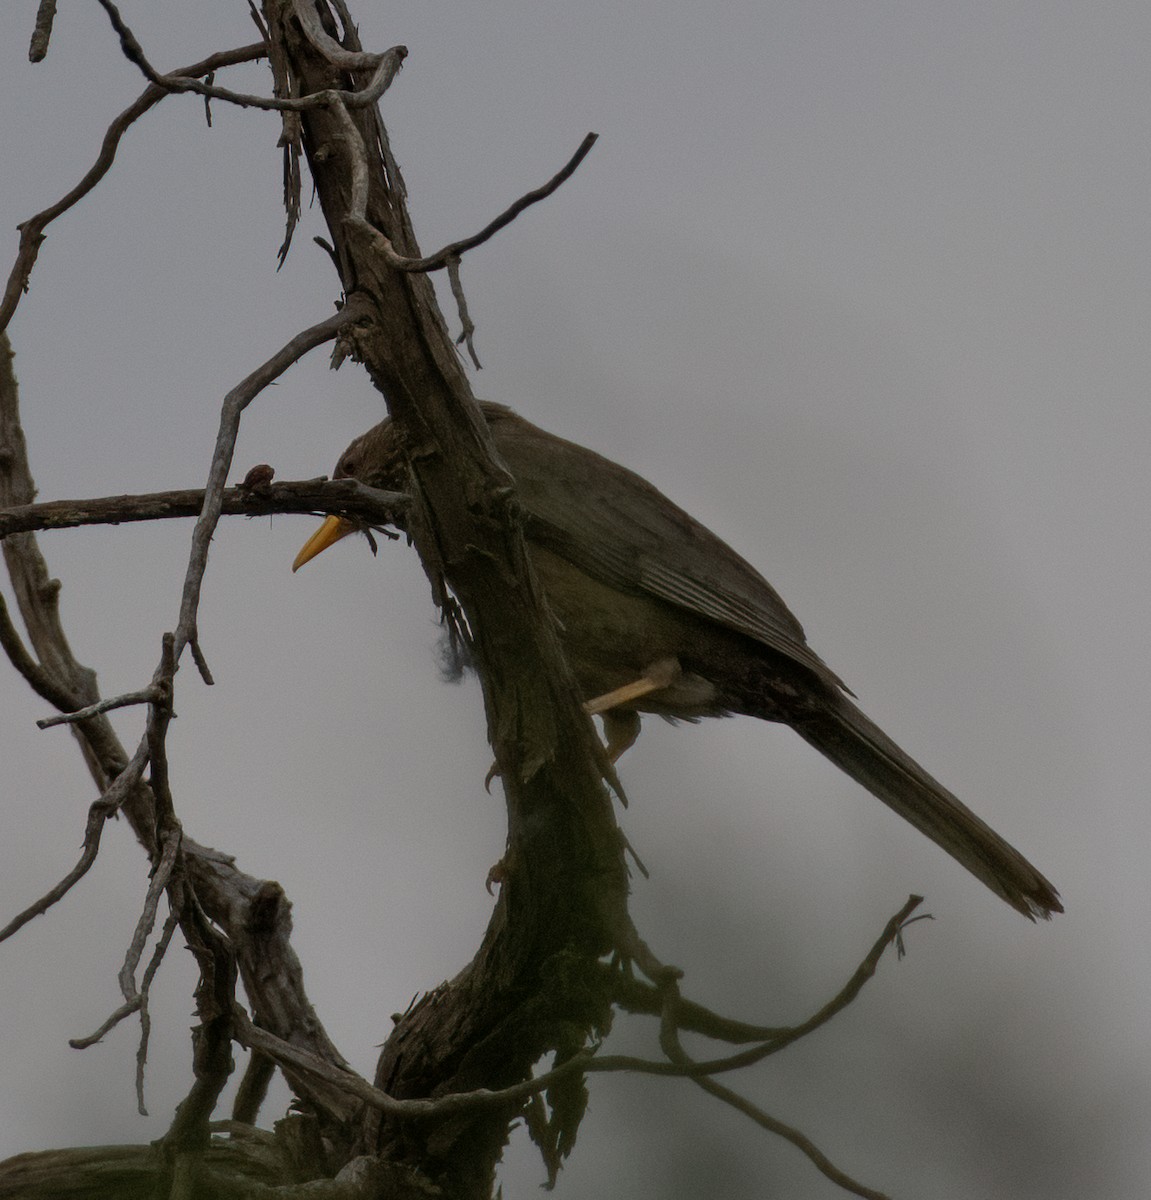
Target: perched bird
[(656, 614)]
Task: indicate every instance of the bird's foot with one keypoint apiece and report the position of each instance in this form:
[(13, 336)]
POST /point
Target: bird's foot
[(620, 729), (499, 873)]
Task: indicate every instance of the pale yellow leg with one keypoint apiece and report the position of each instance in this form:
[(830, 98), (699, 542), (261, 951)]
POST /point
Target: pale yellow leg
[(621, 725), (658, 676)]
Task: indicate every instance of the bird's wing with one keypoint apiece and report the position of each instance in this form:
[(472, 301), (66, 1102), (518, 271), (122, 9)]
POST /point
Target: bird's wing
[(614, 525)]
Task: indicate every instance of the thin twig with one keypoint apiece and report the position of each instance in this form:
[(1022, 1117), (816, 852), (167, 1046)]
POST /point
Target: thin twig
[(110, 1022), (456, 1103), (234, 404), (672, 1047), (789, 1133), (672, 1020), (212, 1037), (669, 1041), (859, 978), (42, 33), (170, 839), (153, 966), (439, 260), (137, 1002), (200, 661), (209, 79), (467, 326), (258, 21), (32, 230), (133, 51), (635, 996), (170, 846), (98, 814), (159, 718), (126, 700), (786, 1037)]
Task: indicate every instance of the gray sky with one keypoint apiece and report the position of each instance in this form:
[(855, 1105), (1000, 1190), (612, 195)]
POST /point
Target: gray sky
[(862, 285)]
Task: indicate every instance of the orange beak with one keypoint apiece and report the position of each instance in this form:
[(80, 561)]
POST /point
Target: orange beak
[(329, 533)]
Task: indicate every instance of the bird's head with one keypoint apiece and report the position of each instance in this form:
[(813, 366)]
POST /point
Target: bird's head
[(377, 459), (373, 458)]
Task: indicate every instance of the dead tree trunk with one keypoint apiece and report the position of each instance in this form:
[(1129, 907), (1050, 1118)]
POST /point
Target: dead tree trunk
[(535, 985)]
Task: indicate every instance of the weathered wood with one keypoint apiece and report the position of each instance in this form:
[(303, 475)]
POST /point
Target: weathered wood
[(534, 986)]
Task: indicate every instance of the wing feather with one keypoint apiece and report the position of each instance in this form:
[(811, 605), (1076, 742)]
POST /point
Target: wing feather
[(616, 526)]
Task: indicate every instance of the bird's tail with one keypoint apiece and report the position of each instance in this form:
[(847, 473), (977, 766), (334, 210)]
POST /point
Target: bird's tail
[(856, 745)]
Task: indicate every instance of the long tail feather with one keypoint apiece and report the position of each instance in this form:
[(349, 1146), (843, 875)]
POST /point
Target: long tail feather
[(859, 747)]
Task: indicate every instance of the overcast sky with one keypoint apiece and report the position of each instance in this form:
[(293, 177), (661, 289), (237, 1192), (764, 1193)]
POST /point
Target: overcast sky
[(862, 285)]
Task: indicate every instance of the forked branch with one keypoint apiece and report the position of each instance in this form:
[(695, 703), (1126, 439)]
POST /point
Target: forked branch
[(32, 230)]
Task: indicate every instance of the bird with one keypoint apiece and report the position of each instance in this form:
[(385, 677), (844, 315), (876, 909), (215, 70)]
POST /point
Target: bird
[(656, 614)]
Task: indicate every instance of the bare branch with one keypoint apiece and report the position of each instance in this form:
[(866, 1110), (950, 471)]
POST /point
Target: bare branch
[(42, 33), (234, 404), (638, 997), (170, 846), (32, 230), (344, 497), (133, 51), (439, 260), (467, 328), (145, 1015), (635, 996), (859, 978), (253, 912), (212, 1063), (337, 55), (391, 61), (42, 682), (137, 1002), (456, 1103), (673, 1018), (358, 160), (786, 1037), (209, 79), (110, 1022), (789, 1133), (280, 1051), (201, 662), (98, 814), (127, 699), (253, 1089), (258, 21), (671, 1046), (159, 718), (292, 188)]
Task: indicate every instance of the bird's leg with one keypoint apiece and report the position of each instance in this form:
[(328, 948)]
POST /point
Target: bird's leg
[(621, 725), (654, 679), (620, 728)]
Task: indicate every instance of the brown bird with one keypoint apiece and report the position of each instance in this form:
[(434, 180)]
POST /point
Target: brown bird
[(656, 614)]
